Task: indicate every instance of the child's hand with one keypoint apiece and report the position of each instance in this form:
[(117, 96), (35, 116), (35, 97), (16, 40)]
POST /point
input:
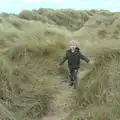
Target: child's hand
[(91, 62)]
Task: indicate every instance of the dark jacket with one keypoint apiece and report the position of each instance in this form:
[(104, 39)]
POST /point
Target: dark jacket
[(74, 58)]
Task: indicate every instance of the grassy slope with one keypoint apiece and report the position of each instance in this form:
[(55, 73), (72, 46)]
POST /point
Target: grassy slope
[(27, 51), (28, 65), (97, 96)]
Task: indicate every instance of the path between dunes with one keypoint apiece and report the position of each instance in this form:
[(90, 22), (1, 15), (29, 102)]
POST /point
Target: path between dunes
[(60, 108)]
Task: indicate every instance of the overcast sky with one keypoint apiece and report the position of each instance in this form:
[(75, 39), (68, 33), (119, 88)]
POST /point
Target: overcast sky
[(15, 6)]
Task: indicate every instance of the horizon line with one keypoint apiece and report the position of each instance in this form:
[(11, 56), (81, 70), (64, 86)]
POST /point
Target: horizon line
[(63, 9)]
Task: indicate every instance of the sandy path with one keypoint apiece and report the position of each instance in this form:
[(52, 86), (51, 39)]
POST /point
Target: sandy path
[(60, 108)]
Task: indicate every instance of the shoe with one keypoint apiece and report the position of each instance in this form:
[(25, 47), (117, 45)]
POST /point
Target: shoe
[(71, 84), (75, 86)]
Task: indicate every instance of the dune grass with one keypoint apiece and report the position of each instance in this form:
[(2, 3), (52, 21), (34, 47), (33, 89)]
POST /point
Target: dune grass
[(23, 95), (97, 95), (71, 19), (28, 67), (31, 45)]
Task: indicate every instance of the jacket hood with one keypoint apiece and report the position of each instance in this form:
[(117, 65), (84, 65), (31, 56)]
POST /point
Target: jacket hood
[(77, 49)]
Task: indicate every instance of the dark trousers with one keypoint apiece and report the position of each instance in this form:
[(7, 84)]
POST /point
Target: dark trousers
[(73, 76)]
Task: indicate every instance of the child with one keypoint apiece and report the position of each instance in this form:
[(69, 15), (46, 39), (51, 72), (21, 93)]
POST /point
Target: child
[(73, 55)]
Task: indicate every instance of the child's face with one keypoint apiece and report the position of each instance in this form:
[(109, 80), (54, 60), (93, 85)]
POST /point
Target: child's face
[(73, 46)]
